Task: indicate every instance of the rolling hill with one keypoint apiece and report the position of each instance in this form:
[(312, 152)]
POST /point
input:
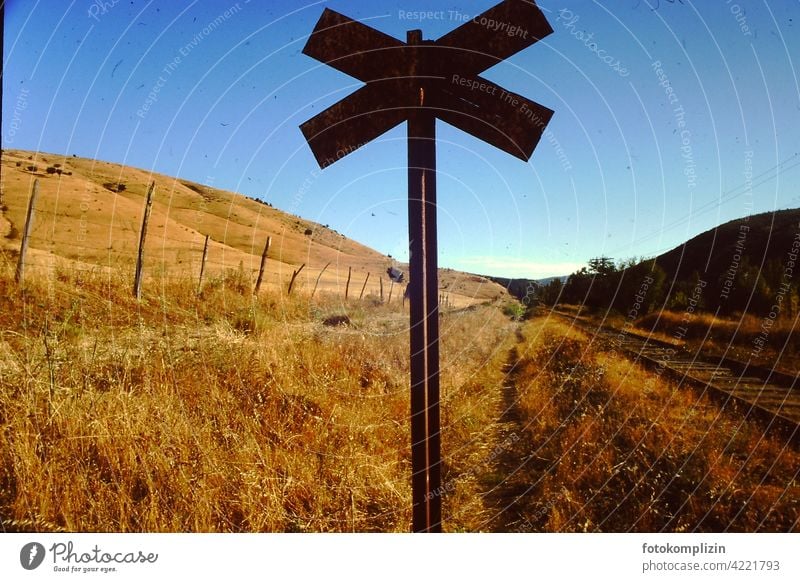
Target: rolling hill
[(745, 265), (89, 213), (755, 240)]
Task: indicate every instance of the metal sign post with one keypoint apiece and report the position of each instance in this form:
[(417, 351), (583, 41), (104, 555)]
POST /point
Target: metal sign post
[(418, 82), (424, 295)]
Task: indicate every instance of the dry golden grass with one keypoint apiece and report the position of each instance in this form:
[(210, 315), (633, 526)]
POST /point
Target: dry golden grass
[(82, 224), (224, 412), (609, 446), (217, 412), (228, 412), (734, 336)]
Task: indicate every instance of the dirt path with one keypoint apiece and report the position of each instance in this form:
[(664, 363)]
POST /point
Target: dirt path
[(513, 466)]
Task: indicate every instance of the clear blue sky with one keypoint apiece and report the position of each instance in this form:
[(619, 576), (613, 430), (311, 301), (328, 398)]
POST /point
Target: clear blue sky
[(625, 170)]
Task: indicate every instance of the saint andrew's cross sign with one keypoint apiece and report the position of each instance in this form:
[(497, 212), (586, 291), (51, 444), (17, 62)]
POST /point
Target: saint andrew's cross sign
[(441, 77), (417, 82)]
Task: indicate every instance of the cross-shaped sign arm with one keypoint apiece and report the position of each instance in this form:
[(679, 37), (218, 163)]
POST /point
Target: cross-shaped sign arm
[(497, 34), (352, 47), (499, 117), (446, 70), (372, 57), (365, 115)]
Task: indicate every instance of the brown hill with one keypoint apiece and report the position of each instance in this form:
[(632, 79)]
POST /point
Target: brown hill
[(89, 213), (755, 239)]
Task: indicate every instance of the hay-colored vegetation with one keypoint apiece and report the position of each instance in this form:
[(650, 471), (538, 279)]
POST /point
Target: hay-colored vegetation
[(610, 446), (224, 412), (770, 342), (221, 411)]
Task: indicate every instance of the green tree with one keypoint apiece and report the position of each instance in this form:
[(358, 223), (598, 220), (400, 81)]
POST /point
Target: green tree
[(576, 289), (551, 293), (602, 266), (605, 282), (750, 291)]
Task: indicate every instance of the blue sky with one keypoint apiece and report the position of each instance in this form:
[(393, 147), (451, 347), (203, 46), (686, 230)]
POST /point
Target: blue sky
[(625, 169)]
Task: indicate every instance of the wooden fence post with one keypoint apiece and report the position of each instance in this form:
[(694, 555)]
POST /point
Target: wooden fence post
[(137, 280), (294, 276), (381, 281), (347, 286), (263, 264), (318, 278), (19, 275), (202, 266), (391, 288), (364, 287)]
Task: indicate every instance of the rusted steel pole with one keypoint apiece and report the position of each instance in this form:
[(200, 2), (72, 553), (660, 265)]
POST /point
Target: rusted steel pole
[(423, 295)]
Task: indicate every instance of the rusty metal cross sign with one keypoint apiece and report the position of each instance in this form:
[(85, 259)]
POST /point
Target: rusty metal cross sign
[(419, 81)]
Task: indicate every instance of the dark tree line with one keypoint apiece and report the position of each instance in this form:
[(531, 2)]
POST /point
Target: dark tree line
[(603, 284), (644, 286)]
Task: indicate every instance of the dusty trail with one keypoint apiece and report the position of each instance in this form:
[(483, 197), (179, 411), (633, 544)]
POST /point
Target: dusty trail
[(512, 465)]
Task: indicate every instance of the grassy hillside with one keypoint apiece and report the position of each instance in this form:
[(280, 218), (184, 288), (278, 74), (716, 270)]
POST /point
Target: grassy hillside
[(86, 220), (731, 291), (763, 236), (225, 411), (756, 245)]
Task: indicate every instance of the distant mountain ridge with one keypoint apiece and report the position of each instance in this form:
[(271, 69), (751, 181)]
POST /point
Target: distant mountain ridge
[(520, 288)]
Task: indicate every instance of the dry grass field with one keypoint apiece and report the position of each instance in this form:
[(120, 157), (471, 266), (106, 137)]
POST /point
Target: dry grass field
[(611, 447), (224, 411), (734, 337)]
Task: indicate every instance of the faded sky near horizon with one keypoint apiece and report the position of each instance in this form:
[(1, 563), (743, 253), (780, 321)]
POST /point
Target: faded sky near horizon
[(670, 118)]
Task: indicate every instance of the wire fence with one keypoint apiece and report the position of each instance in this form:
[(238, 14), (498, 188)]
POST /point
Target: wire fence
[(60, 259), (58, 245)]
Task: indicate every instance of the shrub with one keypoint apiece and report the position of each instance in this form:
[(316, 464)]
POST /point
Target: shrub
[(514, 310)]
